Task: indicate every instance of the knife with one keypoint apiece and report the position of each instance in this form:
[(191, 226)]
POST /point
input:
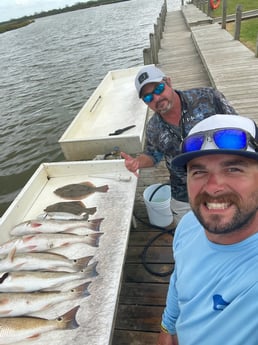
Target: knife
[(122, 130)]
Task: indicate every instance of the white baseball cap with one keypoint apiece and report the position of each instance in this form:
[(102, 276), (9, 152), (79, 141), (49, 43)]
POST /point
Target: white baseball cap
[(147, 74), (200, 140)]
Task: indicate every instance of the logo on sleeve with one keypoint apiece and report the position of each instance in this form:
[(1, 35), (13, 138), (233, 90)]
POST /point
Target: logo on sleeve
[(219, 303)]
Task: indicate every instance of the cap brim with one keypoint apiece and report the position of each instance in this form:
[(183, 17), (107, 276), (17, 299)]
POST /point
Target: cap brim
[(182, 159)]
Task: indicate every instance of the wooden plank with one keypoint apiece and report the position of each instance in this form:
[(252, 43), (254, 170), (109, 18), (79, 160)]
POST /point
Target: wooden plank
[(136, 273), (124, 337), (143, 294), (141, 238), (153, 254), (133, 317)]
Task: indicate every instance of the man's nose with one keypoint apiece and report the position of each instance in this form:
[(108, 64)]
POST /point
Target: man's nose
[(214, 183)]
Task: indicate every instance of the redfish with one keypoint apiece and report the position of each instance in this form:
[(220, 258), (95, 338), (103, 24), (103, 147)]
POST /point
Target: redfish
[(30, 281), (16, 329), (42, 262), (36, 226), (22, 303), (45, 242), (78, 191)]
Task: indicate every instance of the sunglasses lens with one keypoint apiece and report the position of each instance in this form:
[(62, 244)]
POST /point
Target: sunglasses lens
[(148, 98), (232, 139), (193, 143), (159, 89)]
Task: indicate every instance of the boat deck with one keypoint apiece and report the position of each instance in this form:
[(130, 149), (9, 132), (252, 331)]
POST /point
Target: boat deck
[(194, 52)]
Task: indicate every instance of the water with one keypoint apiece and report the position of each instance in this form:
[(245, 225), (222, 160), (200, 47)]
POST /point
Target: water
[(50, 68)]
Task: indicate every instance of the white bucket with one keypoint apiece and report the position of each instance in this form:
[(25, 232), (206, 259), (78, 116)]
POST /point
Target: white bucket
[(158, 208)]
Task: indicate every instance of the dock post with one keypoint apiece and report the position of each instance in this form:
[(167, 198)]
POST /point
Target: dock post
[(147, 59), (153, 47), (238, 22), (256, 49), (157, 36), (150, 56), (224, 15), (209, 11)]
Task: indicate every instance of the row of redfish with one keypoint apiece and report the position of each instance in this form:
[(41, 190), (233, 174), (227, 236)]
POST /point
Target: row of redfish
[(33, 276)]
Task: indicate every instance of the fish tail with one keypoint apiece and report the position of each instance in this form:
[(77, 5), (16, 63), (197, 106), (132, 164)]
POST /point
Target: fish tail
[(91, 210), (82, 262), (68, 320), (81, 290), (94, 224), (93, 239), (91, 270), (102, 189)]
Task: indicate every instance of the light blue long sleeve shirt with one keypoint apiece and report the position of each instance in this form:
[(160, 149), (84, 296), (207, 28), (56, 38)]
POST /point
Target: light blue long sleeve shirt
[(213, 292)]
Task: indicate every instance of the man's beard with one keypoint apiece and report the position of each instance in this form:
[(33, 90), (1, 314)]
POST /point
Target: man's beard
[(243, 215), (165, 110)]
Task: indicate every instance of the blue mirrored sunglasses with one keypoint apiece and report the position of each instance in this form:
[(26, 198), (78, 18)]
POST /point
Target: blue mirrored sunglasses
[(157, 91), (223, 138)]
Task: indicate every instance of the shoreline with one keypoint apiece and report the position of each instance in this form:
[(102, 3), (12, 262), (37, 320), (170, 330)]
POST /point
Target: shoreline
[(18, 23)]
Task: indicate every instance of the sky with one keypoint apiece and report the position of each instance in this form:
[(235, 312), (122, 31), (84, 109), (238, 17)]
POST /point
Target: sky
[(10, 9)]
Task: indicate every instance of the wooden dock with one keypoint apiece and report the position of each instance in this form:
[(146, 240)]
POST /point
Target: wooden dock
[(194, 52)]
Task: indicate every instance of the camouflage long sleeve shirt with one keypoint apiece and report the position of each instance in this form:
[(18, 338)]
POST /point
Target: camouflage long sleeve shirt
[(163, 140)]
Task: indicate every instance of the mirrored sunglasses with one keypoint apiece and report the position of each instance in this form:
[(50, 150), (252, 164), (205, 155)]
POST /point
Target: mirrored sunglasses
[(157, 91), (223, 138)]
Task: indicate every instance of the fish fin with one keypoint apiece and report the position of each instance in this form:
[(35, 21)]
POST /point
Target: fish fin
[(4, 301), (65, 244), (82, 262), (34, 336), (91, 210), (88, 184), (91, 270), (35, 224), (27, 238), (81, 290), (94, 239), (11, 254), (94, 224), (102, 189), (69, 318)]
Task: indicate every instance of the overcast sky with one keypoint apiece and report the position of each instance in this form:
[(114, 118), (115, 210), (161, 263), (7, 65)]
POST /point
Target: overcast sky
[(10, 9)]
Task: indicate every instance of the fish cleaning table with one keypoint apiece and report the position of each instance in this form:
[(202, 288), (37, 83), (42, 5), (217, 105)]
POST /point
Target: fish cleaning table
[(97, 312)]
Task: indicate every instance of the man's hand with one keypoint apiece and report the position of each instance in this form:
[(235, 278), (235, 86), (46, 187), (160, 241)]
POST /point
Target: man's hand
[(132, 164), (166, 339)]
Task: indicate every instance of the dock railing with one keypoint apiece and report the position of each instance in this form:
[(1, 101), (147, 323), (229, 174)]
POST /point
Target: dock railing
[(150, 55), (205, 6)]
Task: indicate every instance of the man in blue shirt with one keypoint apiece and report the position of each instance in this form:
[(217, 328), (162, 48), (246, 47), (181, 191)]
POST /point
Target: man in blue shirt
[(175, 113), (213, 292)]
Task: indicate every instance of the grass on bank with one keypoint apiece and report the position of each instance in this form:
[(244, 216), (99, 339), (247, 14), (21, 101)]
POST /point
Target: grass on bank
[(247, 5), (13, 25), (248, 33), (249, 27)]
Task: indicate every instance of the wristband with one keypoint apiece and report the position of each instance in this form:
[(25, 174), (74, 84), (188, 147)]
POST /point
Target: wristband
[(163, 329)]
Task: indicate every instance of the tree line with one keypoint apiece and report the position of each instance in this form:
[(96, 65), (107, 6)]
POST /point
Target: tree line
[(26, 20)]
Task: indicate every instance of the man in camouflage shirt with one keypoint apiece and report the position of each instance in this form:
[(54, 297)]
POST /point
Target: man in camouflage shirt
[(175, 113)]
